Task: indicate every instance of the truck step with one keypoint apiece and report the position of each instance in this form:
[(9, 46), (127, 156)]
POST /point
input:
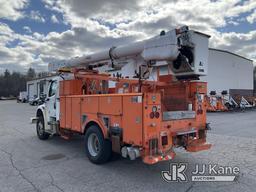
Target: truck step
[(66, 137), (65, 134), (52, 123)]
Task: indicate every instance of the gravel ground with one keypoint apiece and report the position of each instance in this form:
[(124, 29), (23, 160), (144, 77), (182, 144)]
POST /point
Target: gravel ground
[(29, 164)]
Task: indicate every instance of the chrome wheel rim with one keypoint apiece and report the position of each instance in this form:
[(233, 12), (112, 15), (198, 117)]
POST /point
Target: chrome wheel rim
[(93, 145)]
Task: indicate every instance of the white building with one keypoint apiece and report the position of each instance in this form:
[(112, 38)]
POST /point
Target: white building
[(37, 86), (230, 72)]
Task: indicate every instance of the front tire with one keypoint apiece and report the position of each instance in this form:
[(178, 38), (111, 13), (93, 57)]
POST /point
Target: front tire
[(41, 134), (97, 148)]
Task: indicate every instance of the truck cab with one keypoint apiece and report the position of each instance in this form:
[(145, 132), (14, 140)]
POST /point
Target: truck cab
[(47, 113)]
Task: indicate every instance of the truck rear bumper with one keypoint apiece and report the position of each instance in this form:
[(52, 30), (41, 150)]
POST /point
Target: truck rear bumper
[(157, 158), (194, 146), (199, 147)]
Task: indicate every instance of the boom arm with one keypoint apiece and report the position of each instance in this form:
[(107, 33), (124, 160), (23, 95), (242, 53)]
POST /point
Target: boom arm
[(175, 47)]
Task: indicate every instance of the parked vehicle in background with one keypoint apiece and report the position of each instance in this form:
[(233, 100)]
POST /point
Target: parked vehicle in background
[(34, 101), (23, 97), (38, 100), (42, 99)]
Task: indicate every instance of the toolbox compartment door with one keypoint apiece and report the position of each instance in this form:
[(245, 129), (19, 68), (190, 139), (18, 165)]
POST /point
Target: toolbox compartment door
[(76, 114), (132, 119), (110, 105), (68, 113), (62, 112), (89, 105)]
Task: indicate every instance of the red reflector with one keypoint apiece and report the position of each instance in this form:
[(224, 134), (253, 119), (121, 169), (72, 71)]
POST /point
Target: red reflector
[(157, 115), (200, 111), (152, 115)]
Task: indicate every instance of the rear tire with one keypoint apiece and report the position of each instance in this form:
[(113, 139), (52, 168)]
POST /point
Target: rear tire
[(41, 134), (97, 148)]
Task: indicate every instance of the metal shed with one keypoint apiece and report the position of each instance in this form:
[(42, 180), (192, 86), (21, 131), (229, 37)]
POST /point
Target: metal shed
[(37, 86)]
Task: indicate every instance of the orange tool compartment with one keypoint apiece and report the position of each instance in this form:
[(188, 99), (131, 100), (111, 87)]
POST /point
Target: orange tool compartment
[(153, 117), (68, 112), (132, 119), (97, 107), (110, 105), (76, 114), (70, 87)]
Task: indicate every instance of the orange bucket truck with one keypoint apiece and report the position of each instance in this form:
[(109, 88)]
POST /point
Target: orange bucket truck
[(135, 116)]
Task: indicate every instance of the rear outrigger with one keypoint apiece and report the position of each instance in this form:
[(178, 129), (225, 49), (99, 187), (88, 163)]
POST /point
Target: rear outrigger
[(133, 116)]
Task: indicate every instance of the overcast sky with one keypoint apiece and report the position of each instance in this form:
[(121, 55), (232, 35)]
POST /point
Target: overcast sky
[(36, 32)]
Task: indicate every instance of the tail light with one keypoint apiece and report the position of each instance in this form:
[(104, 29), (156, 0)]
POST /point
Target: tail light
[(152, 115), (157, 114)]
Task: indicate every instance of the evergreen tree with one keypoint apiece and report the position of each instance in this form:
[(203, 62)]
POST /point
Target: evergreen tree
[(13, 83)]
